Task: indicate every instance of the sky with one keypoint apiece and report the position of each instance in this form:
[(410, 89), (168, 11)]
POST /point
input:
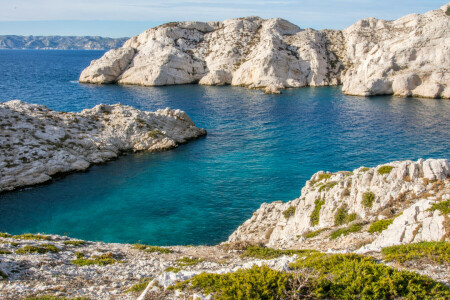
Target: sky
[(114, 18)]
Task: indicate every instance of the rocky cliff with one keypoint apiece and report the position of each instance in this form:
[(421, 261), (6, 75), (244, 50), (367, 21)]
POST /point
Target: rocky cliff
[(59, 42), (405, 57), (366, 209), (37, 142)]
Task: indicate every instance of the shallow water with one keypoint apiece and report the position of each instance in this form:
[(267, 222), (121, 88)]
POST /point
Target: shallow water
[(259, 148)]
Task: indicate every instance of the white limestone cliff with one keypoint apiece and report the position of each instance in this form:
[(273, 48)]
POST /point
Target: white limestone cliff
[(405, 189), (37, 143), (405, 57)]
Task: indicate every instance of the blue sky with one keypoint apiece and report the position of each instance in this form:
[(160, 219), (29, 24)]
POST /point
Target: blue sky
[(116, 18)]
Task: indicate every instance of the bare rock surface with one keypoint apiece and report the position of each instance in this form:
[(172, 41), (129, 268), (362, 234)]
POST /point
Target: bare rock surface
[(37, 143), (405, 57), (402, 191)]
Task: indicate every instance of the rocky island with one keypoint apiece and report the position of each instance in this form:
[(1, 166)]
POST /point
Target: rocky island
[(37, 142), (405, 57), (391, 221)]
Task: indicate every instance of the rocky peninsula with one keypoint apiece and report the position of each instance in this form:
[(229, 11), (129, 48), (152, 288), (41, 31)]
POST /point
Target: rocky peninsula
[(38, 143), (405, 57), (391, 221)]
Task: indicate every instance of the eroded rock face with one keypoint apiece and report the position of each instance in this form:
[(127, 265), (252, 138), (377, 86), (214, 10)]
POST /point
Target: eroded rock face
[(37, 142), (406, 57), (404, 187)]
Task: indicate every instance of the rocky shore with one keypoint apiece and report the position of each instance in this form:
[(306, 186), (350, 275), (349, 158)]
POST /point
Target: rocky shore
[(405, 57), (37, 142), (367, 211)]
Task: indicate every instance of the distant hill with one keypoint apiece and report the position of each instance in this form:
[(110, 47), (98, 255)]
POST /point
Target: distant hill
[(59, 42)]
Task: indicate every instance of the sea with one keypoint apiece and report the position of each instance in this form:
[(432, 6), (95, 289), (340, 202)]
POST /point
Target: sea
[(259, 148)]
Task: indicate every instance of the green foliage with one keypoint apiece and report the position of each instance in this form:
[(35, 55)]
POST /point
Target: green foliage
[(351, 276), (448, 11), (367, 199), (327, 186), (187, 261), (153, 133), (269, 253), (42, 249), (345, 231), (3, 275), (173, 269), (30, 236), (74, 243), (255, 283), (385, 170), (5, 251), (4, 235), (443, 207), (314, 233), (102, 260), (380, 225), (343, 217), (324, 176), (289, 212), (79, 254), (51, 297), (152, 249), (436, 251), (140, 286), (364, 169), (315, 215)]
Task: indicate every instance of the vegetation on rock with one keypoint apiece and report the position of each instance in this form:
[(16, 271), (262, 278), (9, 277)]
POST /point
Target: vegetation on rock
[(42, 249), (314, 233), (30, 236), (380, 225), (74, 243), (443, 207), (140, 286), (367, 199), (345, 231), (103, 260), (315, 215), (343, 217), (435, 251), (385, 170), (152, 249), (289, 212), (269, 253)]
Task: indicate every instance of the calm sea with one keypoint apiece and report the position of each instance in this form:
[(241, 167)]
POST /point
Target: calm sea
[(259, 148)]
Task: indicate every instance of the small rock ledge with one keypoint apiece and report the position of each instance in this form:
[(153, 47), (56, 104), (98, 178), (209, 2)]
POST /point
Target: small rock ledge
[(37, 143)]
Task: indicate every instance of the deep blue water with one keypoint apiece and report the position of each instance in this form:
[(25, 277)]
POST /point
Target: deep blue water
[(259, 148)]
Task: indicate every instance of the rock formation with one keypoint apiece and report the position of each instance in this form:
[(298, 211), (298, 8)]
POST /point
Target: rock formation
[(401, 192), (405, 57), (37, 142)]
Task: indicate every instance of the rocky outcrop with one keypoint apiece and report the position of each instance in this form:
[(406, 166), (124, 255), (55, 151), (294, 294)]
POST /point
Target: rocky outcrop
[(37, 143), (406, 57), (401, 191)]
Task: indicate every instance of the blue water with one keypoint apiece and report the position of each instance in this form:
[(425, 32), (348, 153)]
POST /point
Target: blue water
[(259, 148)]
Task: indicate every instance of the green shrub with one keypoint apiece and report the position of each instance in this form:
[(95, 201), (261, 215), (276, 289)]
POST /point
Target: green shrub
[(187, 261), (79, 254), (327, 186), (314, 233), (324, 176), (345, 231), (269, 253), (254, 283), (385, 170), (380, 225), (74, 243), (140, 286), (152, 249), (3, 275), (367, 199), (30, 236), (447, 12), (102, 260), (364, 169), (342, 217), (351, 276), (289, 212), (4, 235), (315, 215), (5, 251), (436, 251), (42, 249), (443, 207), (173, 269)]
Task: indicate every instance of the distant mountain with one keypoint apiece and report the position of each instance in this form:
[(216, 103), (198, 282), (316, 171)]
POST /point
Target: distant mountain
[(59, 42)]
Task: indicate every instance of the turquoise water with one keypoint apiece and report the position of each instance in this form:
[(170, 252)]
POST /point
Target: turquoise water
[(259, 148)]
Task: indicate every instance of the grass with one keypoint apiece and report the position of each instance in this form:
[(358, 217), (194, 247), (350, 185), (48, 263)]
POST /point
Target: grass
[(324, 176), (385, 170), (364, 169), (187, 261), (102, 260), (343, 217), (315, 215), (443, 207), (30, 236), (4, 235), (345, 231), (380, 225), (269, 253), (5, 251), (74, 243), (173, 269), (367, 199), (327, 186), (435, 251), (151, 249), (42, 249), (140, 286), (351, 276), (289, 212), (314, 233)]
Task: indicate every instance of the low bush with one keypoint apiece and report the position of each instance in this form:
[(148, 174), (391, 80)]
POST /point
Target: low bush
[(102, 260), (187, 261), (4, 235), (364, 169), (269, 253), (74, 243), (385, 170), (30, 236), (435, 251), (152, 249), (345, 231), (314, 233), (367, 199), (42, 249), (289, 212), (343, 217), (140, 286), (327, 186), (380, 225), (173, 269), (443, 207), (5, 251), (315, 215)]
